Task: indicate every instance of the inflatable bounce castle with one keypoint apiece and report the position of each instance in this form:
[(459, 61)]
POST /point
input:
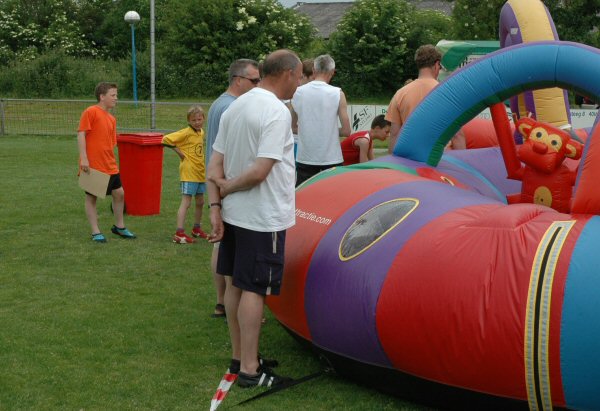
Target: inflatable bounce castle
[(435, 276)]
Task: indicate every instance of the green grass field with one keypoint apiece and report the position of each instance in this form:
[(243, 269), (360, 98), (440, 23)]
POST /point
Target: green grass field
[(123, 325)]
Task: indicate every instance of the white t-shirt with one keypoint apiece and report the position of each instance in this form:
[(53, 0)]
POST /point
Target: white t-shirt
[(317, 104), (258, 124)]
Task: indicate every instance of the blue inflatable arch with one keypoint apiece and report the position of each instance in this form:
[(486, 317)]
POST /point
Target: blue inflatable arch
[(492, 79)]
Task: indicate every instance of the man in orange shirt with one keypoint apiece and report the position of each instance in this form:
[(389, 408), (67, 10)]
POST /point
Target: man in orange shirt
[(429, 63), (96, 140)]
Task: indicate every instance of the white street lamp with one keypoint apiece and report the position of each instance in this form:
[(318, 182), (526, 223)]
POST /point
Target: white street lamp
[(133, 17)]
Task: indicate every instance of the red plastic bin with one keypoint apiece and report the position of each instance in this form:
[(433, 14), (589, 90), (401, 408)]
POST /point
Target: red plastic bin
[(140, 164)]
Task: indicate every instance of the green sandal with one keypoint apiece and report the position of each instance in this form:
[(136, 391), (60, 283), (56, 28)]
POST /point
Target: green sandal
[(98, 238)]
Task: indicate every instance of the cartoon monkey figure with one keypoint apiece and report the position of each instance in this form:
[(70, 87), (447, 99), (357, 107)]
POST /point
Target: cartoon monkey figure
[(546, 180)]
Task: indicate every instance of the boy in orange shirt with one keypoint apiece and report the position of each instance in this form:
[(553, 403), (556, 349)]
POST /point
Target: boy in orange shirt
[(188, 143), (96, 140)]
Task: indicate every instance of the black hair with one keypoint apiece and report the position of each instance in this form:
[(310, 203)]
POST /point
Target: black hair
[(380, 121)]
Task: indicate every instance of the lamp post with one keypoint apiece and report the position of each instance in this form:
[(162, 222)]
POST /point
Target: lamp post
[(152, 69), (133, 17)]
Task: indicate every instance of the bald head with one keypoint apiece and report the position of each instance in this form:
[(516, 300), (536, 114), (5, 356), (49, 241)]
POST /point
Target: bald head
[(278, 62), (282, 71)]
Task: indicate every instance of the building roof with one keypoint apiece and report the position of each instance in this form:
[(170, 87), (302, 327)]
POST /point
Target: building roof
[(443, 6), (326, 15), (291, 3)]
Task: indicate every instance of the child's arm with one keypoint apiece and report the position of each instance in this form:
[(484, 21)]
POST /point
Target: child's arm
[(85, 163), (176, 150), (173, 140), (179, 153)]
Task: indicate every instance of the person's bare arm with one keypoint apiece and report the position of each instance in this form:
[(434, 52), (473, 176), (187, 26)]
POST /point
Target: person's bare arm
[(294, 118), (394, 131), (459, 141), (179, 153), (363, 146), (176, 150), (215, 174), (345, 130), (371, 154), (252, 176), (81, 145)]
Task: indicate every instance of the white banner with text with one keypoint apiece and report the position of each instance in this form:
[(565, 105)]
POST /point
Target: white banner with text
[(362, 115)]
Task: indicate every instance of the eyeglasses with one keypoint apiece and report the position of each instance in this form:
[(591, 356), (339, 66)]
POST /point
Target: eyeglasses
[(252, 80)]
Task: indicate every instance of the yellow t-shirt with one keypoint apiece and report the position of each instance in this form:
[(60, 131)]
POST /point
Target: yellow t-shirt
[(191, 144)]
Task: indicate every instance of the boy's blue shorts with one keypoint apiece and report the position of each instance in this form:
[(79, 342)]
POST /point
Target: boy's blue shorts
[(192, 189)]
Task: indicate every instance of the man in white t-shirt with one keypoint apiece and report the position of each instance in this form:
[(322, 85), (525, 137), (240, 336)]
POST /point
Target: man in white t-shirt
[(252, 202), (317, 108)]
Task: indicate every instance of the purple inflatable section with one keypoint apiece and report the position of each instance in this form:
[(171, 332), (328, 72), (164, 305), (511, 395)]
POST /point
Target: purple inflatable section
[(482, 170), (346, 324), (508, 20), (488, 162)]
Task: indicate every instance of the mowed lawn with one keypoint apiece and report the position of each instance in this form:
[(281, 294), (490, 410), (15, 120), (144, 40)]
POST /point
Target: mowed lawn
[(123, 325)]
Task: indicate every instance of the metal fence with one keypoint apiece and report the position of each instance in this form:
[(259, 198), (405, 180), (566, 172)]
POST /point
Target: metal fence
[(61, 117)]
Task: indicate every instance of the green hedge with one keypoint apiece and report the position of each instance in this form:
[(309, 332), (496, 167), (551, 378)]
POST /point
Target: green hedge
[(56, 75)]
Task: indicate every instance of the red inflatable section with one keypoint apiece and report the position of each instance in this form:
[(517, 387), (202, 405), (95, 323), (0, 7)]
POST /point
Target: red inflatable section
[(480, 133), (303, 238), (431, 173), (587, 194), (460, 341), (582, 134)]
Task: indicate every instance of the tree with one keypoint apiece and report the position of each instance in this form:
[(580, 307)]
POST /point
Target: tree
[(369, 46), (429, 27), (375, 42), (576, 20), (476, 19), (102, 22), (200, 42), (29, 28)]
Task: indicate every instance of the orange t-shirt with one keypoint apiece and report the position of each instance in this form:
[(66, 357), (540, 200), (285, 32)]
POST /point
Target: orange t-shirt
[(408, 98), (100, 129)]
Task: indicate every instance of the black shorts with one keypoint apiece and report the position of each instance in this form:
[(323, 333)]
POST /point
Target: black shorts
[(306, 171), (113, 183), (254, 259)]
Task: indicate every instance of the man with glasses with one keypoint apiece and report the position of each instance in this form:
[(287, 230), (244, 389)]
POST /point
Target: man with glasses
[(429, 63), (243, 77)]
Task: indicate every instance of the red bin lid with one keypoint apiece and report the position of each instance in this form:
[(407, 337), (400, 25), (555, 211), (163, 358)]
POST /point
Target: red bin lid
[(142, 139)]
